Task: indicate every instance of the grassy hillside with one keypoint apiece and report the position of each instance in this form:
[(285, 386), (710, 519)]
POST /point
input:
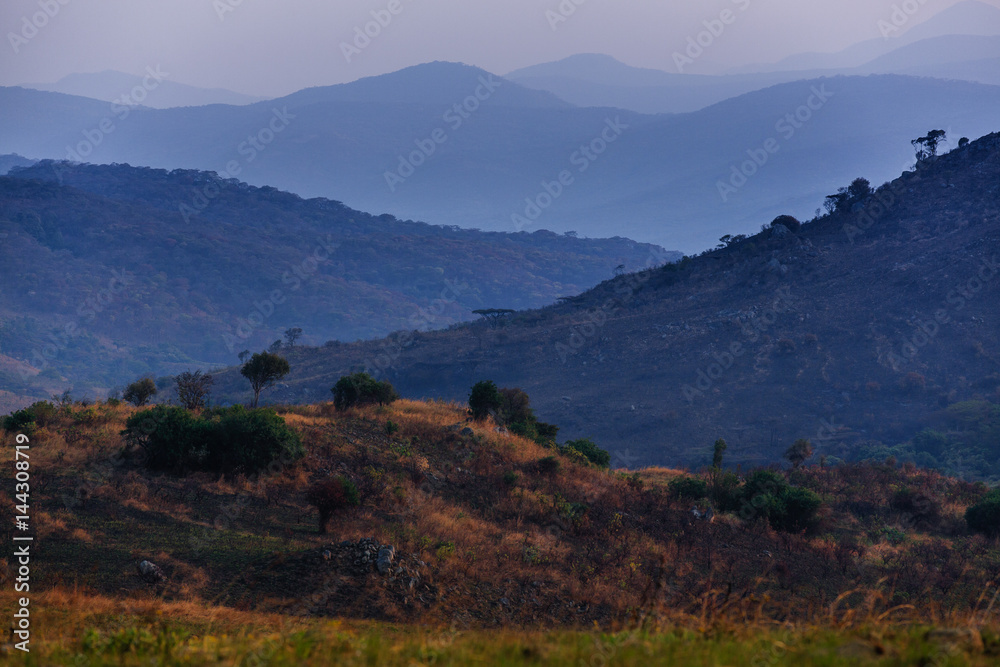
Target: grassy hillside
[(105, 277), (486, 536), (859, 331)]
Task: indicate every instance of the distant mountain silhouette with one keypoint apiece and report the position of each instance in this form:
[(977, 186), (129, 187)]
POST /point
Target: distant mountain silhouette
[(153, 89), (480, 151)]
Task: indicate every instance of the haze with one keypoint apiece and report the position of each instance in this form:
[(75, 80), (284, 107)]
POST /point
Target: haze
[(270, 48)]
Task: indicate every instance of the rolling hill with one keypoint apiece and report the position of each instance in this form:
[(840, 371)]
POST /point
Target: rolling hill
[(510, 158), (103, 277), (861, 330)]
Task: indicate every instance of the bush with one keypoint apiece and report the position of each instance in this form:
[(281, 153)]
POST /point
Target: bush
[(688, 488), (984, 516), (139, 392), (223, 440), (362, 389), (788, 221), (37, 415), (549, 465), (484, 399), (599, 457), (332, 495), (795, 510), (725, 492)]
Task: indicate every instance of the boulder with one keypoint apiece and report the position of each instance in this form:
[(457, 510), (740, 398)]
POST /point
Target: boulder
[(385, 557), (151, 573)]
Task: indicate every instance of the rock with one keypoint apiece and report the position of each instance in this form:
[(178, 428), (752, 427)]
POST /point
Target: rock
[(327, 555), (779, 230), (467, 431), (385, 557), (151, 573)]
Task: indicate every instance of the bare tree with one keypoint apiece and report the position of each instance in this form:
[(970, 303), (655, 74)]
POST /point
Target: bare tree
[(193, 389), (292, 335)]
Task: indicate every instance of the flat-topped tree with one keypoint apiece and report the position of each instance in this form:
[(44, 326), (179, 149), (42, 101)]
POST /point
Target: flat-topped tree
[(494, 315), (263, 370)]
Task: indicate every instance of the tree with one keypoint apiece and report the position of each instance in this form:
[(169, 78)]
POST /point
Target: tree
[(332, 495), (263, 370), (926, 146), (717, 451), (292, 335), (275, 346), (193, 389), (243, 356), (515, 407), (599, 457), (963, 142), (362, 389), (484, 399), (494, 316), (859, 190), (139, 392), (984, 516), (800, 450)]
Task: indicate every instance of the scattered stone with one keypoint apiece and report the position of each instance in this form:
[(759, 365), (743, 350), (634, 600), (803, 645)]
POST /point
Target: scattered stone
[(778, 230), (151, 573), (385, 557)]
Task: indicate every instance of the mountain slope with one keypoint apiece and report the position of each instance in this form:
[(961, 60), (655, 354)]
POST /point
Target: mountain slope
[(156, 91), (496, 164), (821, 334), (146, 287)]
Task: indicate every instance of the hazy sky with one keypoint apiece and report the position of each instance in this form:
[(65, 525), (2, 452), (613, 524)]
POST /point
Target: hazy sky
[(272, 47)]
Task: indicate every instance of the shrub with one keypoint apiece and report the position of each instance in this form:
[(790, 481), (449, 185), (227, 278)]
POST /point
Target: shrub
[(984, 516), (330, 496), (788, 221), (917, 505), (39, 414), (599, 457), (799, 452), (139, 392), (688, 488), (795, 510), (484, 399), (223, 440), (725, 492), (510, 477), (548, 465), (362, 389)]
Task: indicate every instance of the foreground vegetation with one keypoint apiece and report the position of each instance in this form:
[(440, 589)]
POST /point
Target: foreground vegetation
[(509, 550)]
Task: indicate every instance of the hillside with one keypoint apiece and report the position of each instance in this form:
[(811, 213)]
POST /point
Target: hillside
[(833, 330), (104, 275), (484, 536), (397, 144)]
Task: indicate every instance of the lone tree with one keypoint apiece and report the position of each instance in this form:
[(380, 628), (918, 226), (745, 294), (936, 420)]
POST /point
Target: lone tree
[(331, 495), (292, 335), (717, 451), (494, 316), (244, 355), (484, 399), (139, 392), (926, 146), (263, 370), (275, 346), (857, 192), (193, 389), (800, 450), (362, 389)]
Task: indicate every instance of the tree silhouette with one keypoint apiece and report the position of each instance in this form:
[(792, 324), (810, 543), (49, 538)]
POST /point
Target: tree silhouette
[(263, 370), (926, 146), (800, 450), (494, 315), (139, 392), (292, 335), (193, 389)]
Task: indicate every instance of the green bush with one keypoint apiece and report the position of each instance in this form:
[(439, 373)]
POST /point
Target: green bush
[(599, 457), (484, 399), (688, 488), (795, 510), (725, 492), (984, 516), (37, 415), (548, 465), (221, 440), (332, 495), (362, 389)]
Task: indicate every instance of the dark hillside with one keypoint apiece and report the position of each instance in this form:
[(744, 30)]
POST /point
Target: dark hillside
[(858, 331)]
